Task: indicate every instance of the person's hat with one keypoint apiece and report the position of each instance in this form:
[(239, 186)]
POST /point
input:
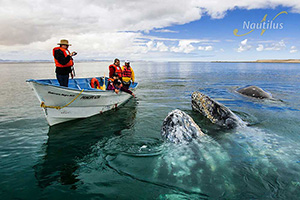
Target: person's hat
[(65, 42), (127, 61)]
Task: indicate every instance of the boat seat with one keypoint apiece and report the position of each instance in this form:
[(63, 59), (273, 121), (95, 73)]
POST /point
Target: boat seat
[(72, 84), (77, 84), (88, 83)]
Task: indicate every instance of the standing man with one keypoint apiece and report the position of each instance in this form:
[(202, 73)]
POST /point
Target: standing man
[(127, 74), (63, 62), (115, 68)]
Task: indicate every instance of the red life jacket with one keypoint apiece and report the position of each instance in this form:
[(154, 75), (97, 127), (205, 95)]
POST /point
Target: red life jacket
[(95, 83), (126, 72), (66, 53), (118, 70)]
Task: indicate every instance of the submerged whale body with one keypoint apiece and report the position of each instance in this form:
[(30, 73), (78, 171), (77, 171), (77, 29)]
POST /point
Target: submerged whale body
[(254, 91), (179, 127), (216, 112)]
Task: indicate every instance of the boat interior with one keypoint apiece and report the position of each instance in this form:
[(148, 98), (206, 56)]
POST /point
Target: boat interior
[(79, 83)]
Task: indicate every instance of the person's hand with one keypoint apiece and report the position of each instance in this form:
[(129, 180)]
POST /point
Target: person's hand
[(72, 75), (73, 53), (117, 91), (133, 95)]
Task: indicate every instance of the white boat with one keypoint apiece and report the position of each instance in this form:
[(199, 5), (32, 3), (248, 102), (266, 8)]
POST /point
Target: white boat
[(79, 100)]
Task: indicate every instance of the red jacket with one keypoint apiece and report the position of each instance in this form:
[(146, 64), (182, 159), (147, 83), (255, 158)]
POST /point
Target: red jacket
[(115, 69), (66, 53)]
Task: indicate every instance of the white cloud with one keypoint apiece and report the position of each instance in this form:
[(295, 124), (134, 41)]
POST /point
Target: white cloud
[(260, 47), (276, 46), (293, 49), (33, 21), (165, 31), (217, 8), (244, 42), (156, 46), (29, 21), (244, 46), (205, 48), (115, 26), (150, 45), (161, 46), (184, 46), (88, 46)]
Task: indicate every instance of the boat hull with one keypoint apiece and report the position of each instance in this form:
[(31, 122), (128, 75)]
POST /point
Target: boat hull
[(74, 103)]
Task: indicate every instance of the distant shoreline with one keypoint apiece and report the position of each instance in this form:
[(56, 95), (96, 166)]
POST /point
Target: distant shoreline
[(262, 61), (217, 61)]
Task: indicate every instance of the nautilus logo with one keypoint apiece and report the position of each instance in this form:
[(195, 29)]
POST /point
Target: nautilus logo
[(263, 25)]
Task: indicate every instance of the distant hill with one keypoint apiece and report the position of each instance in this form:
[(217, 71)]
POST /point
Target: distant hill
[(279, 61)]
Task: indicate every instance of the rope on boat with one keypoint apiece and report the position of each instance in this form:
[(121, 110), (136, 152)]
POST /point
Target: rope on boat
[(43, 105)]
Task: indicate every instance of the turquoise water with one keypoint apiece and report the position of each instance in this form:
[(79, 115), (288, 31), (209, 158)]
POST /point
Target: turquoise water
[(120, 154)]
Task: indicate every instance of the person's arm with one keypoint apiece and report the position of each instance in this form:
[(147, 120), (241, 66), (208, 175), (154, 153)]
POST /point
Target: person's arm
[(132, 75), (126, 90), (122, 68), (111, 71), (60, 57)]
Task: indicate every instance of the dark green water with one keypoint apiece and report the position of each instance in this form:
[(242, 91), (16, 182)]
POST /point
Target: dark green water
[(120, 154)]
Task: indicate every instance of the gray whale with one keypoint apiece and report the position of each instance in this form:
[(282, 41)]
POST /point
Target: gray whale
[(216, 112), (179, 127), (254, 91)]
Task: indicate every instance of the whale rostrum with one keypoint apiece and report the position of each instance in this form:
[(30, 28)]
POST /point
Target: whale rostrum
[(216, 112), (179, 127), (254, 91)]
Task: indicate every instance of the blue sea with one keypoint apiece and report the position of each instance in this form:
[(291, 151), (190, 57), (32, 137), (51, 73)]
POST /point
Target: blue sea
[(121, 155)]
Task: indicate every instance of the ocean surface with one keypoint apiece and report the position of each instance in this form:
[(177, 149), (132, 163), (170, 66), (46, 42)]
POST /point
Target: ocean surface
[(121, 155)]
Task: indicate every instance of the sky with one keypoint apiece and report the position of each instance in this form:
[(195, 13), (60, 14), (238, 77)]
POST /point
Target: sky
[(154, 30)]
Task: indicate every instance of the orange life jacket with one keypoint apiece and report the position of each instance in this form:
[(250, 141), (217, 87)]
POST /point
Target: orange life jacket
[(118, 70), (66, 53), (95, 83), (126, 72)]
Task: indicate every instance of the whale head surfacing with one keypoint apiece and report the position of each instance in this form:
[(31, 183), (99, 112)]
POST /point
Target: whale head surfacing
[(254, 91), (179, 127), (216, 112)]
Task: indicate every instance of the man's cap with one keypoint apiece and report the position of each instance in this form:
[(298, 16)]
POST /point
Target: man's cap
[(127, 61), (65, 42)]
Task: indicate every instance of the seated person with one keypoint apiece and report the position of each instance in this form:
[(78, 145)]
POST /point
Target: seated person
[(127, 74), (117, 86), (111, 80)]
